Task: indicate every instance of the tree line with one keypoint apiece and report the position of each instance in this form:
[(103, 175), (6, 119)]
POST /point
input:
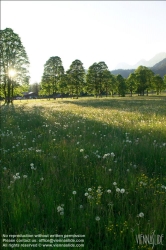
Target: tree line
[(97, 80), (75, 81)]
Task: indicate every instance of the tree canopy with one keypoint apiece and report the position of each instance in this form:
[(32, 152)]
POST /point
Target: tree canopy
[(53, 72), (143, 78), (99, 79), (75, 76)]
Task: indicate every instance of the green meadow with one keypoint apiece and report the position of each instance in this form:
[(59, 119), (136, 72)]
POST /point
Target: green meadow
[(89, 166)]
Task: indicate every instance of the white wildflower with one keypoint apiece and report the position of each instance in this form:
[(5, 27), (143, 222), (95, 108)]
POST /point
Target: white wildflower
[(141, 215), (60, 209), (38, 150), (86, 156), (97, 218), (106, 155), (112, 154), (122, 191), (33, 168)]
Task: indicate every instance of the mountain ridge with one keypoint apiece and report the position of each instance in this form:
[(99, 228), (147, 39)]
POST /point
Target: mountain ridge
[(158, 68), (150, 63)]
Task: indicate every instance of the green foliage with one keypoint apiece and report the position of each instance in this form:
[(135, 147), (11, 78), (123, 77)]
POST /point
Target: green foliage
[(131, 83), (75, 76), (158, 83), (164, 79), (13, 63), (144, 78), (107, 81), (53, 72), (92, 79), (121, 85), (99, 79), (63, 86)]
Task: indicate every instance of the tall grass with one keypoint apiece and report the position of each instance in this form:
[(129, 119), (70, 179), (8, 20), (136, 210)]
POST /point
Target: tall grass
[(111, 152)]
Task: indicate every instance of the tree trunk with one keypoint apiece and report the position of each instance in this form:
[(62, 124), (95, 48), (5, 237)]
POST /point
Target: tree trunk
[(77, 92), (106, 92), (49, 94), (12, 88), (8, 91)]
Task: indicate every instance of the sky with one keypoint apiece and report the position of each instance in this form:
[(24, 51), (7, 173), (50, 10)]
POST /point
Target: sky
[(90, 31)]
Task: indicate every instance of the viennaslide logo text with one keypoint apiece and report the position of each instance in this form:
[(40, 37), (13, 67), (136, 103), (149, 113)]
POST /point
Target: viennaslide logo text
[(151, 239)]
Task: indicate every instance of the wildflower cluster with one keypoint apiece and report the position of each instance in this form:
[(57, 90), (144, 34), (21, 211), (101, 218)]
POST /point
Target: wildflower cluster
[(118, 190), (60, 209), (109, 154)]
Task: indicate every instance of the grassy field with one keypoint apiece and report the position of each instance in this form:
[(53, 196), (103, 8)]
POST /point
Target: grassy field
[(93, 167)]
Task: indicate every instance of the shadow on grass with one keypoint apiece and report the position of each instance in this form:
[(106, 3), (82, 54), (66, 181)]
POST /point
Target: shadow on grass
[(65, 167), (147, 105), (63, 131)]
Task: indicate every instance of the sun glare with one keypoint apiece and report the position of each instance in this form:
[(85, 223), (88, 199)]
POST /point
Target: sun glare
[(11, 73)]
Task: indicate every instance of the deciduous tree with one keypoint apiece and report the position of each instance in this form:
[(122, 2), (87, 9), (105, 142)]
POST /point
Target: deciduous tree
[(131, 83), (144, 78), (97, 78), (75, 76), (109, 82), (158, 83), (53, 71), (92, 79), (121, 85), (164, 79), (14, 64)]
